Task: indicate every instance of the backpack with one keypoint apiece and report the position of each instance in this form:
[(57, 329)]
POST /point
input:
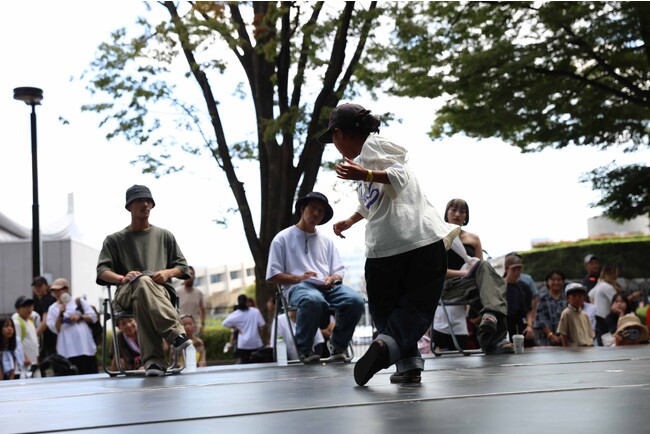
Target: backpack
[(96, 327), (60, 365)]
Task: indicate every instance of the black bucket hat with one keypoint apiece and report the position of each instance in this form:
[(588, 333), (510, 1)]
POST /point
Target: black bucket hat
[(329, 212), (138, 192)]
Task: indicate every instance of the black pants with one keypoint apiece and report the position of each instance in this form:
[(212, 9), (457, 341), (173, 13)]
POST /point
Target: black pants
[(403, 293), (445, 342), (85, 364)]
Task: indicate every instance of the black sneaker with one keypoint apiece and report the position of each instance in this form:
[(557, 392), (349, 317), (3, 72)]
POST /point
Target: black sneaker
[(408, 377), (154, 370), (336, 354), (487, 331), (181, 342), (376, 358), (310, 358)]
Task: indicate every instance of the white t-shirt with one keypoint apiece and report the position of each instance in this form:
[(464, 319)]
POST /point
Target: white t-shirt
[(457, 317), (248, 323), (602, 295), (283, 330), (74, 339), (399, 216), (30, 340), (294, 251)]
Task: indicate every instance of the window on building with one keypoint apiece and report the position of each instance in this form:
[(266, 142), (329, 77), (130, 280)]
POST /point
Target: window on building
[(216, 278), (235, 275), (199, 281), (250, 272)]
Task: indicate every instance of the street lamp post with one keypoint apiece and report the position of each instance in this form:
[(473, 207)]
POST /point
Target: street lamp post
[(33, 96)]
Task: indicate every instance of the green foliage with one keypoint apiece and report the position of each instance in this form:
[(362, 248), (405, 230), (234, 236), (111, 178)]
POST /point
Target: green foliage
[(534, 74), (630, 254), (627, 190), (214, 339)]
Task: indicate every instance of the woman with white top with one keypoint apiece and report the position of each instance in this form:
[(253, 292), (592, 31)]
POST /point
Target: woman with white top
[(248, 321), (70, 319)]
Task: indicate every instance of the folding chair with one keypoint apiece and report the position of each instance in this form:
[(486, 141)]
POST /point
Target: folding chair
[(109, 313), (442, 304), (284, 307)]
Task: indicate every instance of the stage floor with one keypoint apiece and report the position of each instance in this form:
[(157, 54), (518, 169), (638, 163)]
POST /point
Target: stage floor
[(545, 390)]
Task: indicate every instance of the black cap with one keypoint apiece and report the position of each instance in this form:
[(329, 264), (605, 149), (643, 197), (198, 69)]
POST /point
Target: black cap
[(23, 301), (329, 212), (39, 280), (345, 116), (138, 192)]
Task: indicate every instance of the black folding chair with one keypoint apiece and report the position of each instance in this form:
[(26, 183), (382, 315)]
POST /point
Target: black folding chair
[(284, 307), (109, 314)]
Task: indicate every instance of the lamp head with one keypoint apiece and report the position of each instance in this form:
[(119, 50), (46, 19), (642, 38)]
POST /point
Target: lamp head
[(29, 95)]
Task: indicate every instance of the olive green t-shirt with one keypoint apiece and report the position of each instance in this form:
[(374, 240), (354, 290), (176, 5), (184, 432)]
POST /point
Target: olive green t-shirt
[(150, 250)]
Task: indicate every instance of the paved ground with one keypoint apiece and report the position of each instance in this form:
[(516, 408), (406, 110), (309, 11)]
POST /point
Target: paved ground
[(550, 391)]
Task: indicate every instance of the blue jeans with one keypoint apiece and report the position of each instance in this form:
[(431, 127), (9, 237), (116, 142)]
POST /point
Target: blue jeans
[(312, 303)]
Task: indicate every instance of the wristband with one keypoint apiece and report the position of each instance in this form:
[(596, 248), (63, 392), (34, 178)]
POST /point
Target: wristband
[(369, 176)]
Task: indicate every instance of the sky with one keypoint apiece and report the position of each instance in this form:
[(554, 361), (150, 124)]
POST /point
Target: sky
[(514, 198)]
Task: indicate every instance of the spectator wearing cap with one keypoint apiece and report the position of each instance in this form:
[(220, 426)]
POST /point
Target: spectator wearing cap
[(26, 321), (70, 319), (520, 302), (574, 327), (528, 280), (630, 331), (406, 242), (593, 267), (142, 259), (43, 299), (308, 267)]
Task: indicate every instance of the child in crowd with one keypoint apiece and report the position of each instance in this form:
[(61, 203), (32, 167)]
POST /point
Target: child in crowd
[(11, 352), (189, 324), (574, 327), (127, 341), (26, 322)]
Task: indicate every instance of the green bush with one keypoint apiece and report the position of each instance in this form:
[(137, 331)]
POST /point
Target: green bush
[(214, 338), (630, 254)]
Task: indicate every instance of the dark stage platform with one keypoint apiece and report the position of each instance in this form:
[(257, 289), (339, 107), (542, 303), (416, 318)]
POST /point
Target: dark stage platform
[(594, 390)]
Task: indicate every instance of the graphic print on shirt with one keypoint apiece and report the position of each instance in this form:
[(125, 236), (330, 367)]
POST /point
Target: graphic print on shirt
[(368, 194)]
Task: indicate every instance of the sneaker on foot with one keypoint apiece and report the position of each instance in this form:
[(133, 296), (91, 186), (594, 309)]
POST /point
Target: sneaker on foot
[(309, 358), (181, 342), (336, 354), (488, 322), (375, 359), (408, 377), (154, 370)]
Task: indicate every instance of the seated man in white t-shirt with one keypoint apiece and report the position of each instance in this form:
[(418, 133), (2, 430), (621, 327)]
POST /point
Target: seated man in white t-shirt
[(307, 265)]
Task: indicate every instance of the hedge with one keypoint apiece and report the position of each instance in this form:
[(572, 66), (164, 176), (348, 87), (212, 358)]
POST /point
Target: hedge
[(631, 254), (214, 339)]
